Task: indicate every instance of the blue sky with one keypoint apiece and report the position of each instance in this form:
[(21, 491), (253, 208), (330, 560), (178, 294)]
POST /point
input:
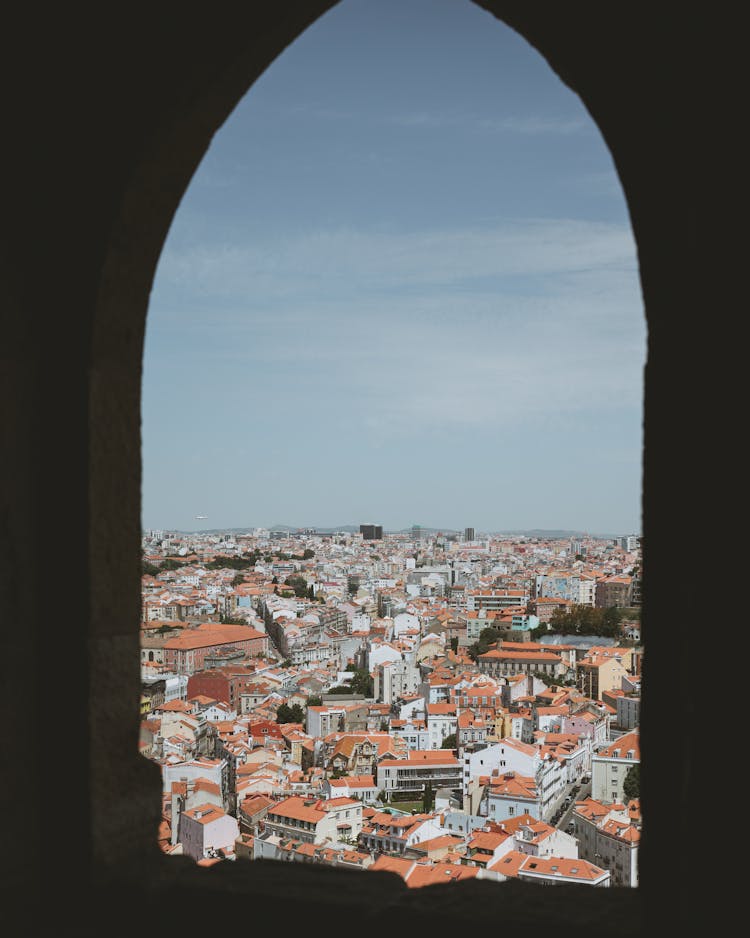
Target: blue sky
[(401, 287)]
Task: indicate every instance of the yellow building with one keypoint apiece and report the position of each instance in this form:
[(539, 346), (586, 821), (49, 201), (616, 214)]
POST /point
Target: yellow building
[(598, 673)]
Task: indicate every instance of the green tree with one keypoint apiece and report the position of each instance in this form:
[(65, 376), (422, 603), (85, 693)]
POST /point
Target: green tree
[(362, 682), (238, 580), (611, 621), (314, 701), (539, 631), (231, 563), (587, 620), (454, 644), (450, 742), (287, 714), (149, 569), (428, 799), (631, 785), (308, 554), (171, 563), (382, 796), (488, 637), (298, 584)]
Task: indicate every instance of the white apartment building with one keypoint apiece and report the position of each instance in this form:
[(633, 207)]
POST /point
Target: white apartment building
[(395, 679), (608, 837), (610, 765), (315, 820), (511, 755), (439, 767)]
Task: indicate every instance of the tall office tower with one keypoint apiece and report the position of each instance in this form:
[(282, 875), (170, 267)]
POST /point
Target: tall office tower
[(416, 532), (371, 532), (469, 534)]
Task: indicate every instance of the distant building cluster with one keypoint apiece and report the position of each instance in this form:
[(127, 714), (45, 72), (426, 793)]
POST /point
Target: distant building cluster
[(436, 705)]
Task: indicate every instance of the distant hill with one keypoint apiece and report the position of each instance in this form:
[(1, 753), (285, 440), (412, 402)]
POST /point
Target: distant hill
[(553, 534), (543, 533), (348, 528)]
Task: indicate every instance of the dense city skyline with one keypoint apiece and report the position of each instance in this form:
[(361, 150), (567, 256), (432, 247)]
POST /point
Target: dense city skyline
[(410, 295), (436, 706)]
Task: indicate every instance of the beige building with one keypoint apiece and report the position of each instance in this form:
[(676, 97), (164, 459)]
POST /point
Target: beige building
[(614, 591), (596, 674), (499, 662), (609, 767), (315, 820), (437, 767)]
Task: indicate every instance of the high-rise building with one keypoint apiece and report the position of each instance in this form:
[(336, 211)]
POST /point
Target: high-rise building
[(371, 532), (469, 534), (629, 542), (416, 532)]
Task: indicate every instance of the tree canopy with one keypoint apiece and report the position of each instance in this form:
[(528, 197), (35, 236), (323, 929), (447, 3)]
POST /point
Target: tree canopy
[(173, 563), (362, 682), (587, 620), (287, 714), (631, 785), (233, 563), (488, 637), (298, 584)]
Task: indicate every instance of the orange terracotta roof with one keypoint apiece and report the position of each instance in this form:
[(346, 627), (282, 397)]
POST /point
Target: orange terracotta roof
[(626, 743), (392, 865), (216, 635), (422, 756), (509, 863), (205, 813), (428, 875), (531, 656), (562, 866)]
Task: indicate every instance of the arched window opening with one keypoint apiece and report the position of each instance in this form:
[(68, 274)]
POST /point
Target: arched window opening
[(392, 445)]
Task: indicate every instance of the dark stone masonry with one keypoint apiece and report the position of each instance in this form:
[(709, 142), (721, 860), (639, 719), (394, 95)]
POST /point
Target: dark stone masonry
[(108, 110)]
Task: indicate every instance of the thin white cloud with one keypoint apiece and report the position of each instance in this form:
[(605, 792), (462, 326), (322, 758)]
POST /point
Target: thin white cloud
[(327, 261), (535, 125), (528, 125), (413, 364), (486, 328)]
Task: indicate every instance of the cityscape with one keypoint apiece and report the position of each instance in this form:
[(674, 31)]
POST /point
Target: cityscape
[(441, 705), (426, 291)]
